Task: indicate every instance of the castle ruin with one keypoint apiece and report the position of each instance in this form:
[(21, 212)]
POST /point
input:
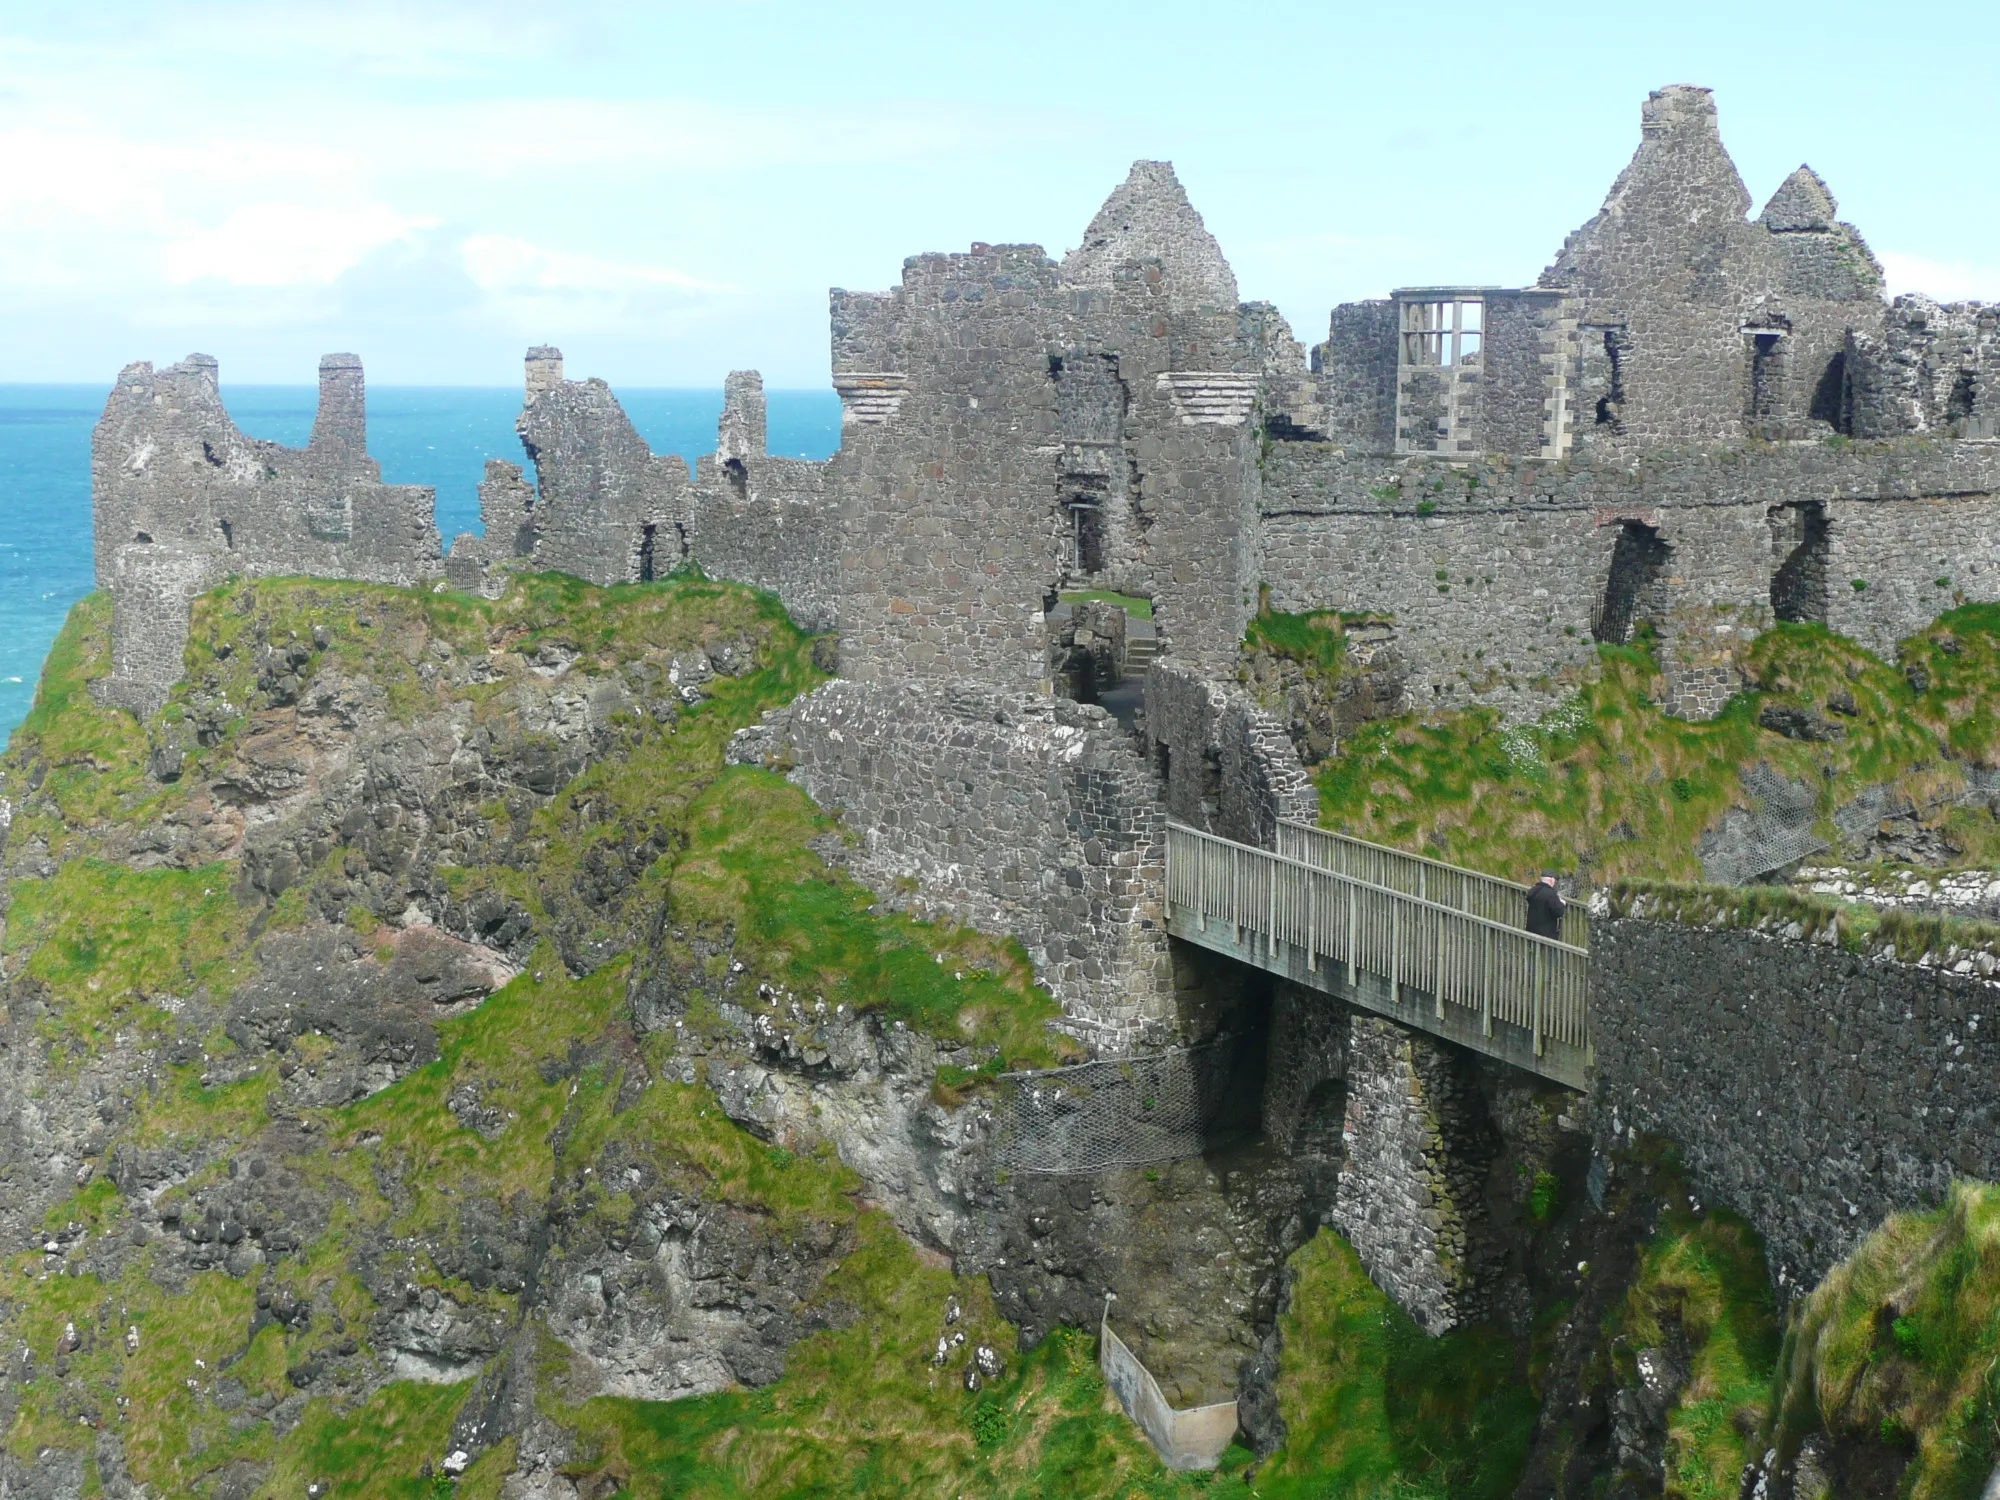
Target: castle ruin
[(1694, 424)]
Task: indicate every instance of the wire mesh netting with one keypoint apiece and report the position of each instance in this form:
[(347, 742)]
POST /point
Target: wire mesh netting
[(1127, 1111)]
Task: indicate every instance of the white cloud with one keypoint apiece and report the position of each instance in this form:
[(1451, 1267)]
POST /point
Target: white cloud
[(532, 289), (285, 244), (1943, 280), (499, 262)]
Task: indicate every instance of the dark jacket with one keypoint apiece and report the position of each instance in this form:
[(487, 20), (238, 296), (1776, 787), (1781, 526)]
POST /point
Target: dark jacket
[(1545, 911)]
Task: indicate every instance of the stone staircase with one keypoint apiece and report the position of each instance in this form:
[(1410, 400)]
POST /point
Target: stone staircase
[(1141, 650)]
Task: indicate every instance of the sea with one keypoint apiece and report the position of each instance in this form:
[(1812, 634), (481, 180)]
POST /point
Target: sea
[(435, 435)]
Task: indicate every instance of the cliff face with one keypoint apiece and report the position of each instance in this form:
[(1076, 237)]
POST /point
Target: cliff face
[(424, 1054)]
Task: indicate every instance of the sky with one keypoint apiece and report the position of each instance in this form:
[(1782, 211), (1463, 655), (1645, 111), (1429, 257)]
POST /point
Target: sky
[(666, 191)]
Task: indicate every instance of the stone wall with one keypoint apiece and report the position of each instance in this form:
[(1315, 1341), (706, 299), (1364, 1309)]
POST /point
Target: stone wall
[(1411, 1192), (1674, 278), (608, 509), (182, 499), (1496, 573), (1356, 367), (1227, 765), (1305, 1070), (1021, 815), (1812, 1090)]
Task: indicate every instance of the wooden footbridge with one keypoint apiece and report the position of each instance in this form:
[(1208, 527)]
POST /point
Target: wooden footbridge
[(1425, 943)]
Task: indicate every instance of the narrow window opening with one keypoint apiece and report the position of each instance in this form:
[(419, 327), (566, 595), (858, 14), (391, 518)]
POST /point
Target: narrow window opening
[(1611, 405), (1958, 406), (1802, 535), (739, 477), (1631, 589), (1086, 534), (1829, 400), (1767, 378), (646, 535), (228, 535)]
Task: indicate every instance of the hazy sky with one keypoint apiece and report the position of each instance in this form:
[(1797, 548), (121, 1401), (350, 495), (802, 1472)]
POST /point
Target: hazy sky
[(667, 191)]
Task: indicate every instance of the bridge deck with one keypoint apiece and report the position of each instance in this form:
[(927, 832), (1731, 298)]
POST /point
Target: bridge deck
[(1474, 980)]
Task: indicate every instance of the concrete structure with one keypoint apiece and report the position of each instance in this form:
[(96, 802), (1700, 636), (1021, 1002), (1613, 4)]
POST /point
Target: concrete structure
[(1189, 1438)]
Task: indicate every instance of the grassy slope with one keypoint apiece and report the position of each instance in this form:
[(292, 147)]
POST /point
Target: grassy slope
[(1376, 1409), (106, 941), (1900, 1346), (1703, 1285), (1611, 785)]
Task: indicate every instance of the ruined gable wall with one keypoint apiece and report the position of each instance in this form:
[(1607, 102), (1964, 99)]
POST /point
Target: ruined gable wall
[(1670, 259), (1535, 540), (1669, 283), (608, 509)]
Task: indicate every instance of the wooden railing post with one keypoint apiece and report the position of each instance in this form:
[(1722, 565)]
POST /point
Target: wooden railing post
[(1353, 898), (1395, 952), (1486, 984), (1312, 921), (1537, 988), (1437, 966)]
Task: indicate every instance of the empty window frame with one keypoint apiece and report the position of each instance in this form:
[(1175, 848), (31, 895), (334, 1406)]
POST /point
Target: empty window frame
[(1442, 333)]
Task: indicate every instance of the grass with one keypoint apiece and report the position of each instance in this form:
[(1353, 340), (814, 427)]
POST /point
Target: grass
[(1703, 1287), (111, 943), (1610, 786), (1315, 640), (1132, 604), (1374, 1408), (1900, 1346), (813, 934), (154, 953)]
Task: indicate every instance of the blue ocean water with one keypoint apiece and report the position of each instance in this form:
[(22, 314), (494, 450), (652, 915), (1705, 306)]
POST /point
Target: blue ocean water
[(435, 435)]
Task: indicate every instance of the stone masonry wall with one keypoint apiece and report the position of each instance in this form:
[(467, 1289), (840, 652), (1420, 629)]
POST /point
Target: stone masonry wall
[(1023, 816), (1356, 367), (1812, 1090), (1228, 766), (1308, 1056), (1410, 1196), (1525, 552), (182, 499)]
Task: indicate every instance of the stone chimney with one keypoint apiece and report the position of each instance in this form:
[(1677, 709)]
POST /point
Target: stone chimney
[(545, 370), (340, 427), (741, 433)]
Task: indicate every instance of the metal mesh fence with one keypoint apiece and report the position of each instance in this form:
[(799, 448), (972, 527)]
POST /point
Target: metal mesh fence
[(1127, 1111)]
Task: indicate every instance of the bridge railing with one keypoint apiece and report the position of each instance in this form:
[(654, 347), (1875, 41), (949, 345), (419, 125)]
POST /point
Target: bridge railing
[(1427, 879), (1493, 969)]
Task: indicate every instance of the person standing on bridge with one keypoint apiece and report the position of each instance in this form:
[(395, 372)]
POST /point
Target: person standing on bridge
[(1545, 907)]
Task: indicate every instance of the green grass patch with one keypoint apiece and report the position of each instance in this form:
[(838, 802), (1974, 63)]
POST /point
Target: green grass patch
[(1316, 640), (1374, 1408), (1132, 604), (110, 942), (862, 1412), (1610, 785), (814, 934), (1703, 1287)]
